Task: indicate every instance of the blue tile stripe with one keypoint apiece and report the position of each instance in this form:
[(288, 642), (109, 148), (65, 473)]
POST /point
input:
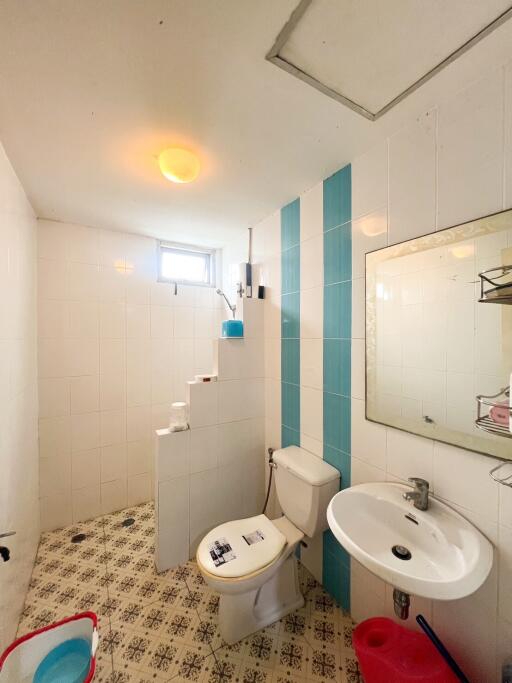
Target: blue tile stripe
[(337, 347), (290, 324)]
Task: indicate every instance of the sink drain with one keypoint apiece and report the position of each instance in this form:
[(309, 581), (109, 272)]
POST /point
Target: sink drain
[(401, 552)]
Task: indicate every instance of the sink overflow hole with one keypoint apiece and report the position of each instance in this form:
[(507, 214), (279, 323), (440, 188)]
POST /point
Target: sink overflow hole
[(128, 521), (78, 538), (411, 518), (401, 552)]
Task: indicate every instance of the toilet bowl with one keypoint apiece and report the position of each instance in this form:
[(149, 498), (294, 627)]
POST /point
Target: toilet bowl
[(252, 562)]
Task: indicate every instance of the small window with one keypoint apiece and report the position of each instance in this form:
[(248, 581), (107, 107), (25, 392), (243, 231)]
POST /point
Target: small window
[(186, 264)]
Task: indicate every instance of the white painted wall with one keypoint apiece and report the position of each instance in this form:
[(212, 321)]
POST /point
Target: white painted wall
[(115, 349), (19, 473), (451, 164)]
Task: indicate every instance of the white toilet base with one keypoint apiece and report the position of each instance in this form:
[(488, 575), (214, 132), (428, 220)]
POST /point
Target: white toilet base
[(241, 614)]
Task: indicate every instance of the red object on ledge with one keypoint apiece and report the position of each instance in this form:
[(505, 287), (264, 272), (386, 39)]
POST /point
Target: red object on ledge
[(389, 652)]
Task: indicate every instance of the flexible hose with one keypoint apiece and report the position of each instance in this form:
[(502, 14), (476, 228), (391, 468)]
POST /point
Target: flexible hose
[(271, 467)]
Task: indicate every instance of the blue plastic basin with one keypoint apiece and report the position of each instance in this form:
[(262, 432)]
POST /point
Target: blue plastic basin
[(69, 662)]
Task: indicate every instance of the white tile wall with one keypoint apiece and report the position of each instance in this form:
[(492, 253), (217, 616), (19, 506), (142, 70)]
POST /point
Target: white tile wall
[(19, 481), (220, 458), (412, 179), (311, 342), (267, 248), (458, 178), (452, 164), (370, 181), (471, 152), (508, 137), (115, 349)]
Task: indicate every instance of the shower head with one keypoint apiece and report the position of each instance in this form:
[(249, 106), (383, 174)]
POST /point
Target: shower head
[(231, 307)]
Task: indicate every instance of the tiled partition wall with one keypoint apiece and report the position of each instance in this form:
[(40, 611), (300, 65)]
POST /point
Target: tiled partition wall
[(290, 324), (337, 239), (451, 164), (115, 349), (213, 472), (19, 475), (315, 346)]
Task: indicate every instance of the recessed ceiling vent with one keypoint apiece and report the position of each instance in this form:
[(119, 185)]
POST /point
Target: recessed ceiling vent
[(369, 54)]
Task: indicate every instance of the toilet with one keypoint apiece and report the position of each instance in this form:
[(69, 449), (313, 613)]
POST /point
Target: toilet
[(252, 562)]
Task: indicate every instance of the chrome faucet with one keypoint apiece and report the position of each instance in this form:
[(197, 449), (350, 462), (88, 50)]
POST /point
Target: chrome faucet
[(420, 493)]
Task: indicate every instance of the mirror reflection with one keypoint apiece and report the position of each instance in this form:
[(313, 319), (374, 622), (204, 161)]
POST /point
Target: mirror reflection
[(439, 335)]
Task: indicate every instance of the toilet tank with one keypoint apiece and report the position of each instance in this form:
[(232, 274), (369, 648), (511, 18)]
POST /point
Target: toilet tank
[(305, 485)]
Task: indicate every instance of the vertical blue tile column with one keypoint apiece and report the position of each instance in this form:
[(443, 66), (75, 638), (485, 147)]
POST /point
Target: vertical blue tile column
[(290, 324), (337, 203)]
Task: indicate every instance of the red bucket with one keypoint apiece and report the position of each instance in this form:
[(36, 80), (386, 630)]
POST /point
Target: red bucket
[(389, 652)]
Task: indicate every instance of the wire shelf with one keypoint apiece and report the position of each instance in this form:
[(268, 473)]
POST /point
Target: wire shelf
[(496, 285), (484, 420), (504, 479)]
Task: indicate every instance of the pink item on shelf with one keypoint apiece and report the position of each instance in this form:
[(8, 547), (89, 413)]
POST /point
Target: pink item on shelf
[(500, 413), (389, 652)]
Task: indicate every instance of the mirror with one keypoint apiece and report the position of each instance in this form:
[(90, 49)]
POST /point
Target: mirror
[(439, 335)]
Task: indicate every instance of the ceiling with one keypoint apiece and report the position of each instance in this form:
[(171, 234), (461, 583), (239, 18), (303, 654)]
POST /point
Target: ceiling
[(371, 52), (92, 90)]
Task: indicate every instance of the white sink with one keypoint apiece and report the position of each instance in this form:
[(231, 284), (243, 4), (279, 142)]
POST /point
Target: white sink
[(449, 559)]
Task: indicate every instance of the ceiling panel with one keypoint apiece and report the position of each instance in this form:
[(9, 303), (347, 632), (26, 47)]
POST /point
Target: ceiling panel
[(371, 51)]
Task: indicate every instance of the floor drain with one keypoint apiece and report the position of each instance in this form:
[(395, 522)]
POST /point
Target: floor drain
[(401, 552), (128, 521), (78, 538)]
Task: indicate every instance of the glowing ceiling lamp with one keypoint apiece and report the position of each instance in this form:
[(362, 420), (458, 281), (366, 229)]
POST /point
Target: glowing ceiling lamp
[(463, 251), (179, 165)]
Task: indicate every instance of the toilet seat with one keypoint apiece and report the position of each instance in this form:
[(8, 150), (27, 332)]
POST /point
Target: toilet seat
[(242, 547)]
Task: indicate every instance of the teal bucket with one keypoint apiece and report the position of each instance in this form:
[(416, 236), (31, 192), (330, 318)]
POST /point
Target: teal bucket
[(232, 328)]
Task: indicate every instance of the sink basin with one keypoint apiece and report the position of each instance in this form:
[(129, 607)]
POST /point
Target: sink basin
[(449, 557)]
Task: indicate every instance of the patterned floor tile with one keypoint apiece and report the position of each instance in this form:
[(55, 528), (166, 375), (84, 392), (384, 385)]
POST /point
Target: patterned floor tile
[(104, 664), (261, 647), (280, 677), (224, 670), (158, 653), (293, 656), (325, 665), (131, 675), (321, 631), (351, 669), (193, 665), (255, 673), (164, 627)]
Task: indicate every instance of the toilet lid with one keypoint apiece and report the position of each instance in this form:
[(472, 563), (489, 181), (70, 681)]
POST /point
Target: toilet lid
[(241, 547)]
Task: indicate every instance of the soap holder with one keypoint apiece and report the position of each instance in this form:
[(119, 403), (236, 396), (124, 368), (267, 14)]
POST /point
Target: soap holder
[(486, 404)]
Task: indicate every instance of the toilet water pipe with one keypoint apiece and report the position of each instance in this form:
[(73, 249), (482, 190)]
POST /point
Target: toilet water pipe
[(272, 467)]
